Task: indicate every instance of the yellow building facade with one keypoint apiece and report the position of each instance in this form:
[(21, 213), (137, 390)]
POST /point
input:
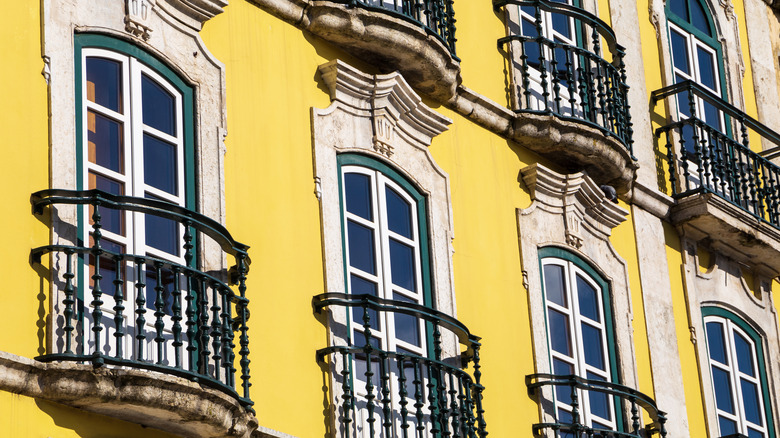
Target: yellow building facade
[(390, 218)]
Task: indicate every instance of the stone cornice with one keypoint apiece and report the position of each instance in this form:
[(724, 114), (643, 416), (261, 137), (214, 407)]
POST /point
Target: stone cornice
[(576, 196), (156, 400)]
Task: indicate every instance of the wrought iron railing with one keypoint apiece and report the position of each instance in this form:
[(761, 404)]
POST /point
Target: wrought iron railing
[(437, 17), (146, 312), (714, 155), (575, 388), (573, 81), (432, 396)]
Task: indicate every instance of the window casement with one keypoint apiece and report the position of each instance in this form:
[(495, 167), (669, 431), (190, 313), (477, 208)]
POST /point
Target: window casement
[(737, 371), (580, 340)]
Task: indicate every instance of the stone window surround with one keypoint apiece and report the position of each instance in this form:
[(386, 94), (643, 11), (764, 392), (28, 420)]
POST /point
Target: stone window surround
[(571, 212), (168, 30), (381, 117), (723, 285)]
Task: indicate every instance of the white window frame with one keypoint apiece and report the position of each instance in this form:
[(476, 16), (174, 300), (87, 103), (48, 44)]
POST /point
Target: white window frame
[(732, 368), (576, 319)]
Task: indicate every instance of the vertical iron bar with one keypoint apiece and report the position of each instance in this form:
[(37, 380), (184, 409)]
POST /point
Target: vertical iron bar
[(119, 308), (68, 301), (159, 311), (202, 304), (97, 313), (176, 310), (216, 330), (244, 316), (140, 307)]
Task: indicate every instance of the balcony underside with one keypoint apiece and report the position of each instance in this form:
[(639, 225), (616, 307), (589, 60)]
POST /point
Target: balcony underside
[(725, 227), (156, 400), (577, 147)]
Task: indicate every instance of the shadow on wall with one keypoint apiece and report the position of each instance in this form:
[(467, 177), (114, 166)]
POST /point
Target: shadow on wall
[(89, 425)]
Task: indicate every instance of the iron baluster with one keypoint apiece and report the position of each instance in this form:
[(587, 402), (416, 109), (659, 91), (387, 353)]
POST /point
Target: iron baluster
[(226, 329), (119, 308), (542, 60), (140, 307), (419, 396), (402, 394), (159, 313), (216, 330), (68, 301), (556, 81), (432, 399), (176, 317), (346, 389), (202, 306), (243, 313), (97, 313), (189, 297), (634, 416), (367, 349), (481, 424), (384, 375)]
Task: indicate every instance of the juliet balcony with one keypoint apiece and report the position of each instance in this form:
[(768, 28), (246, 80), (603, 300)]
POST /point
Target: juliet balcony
[(567, 85), (402, 391), (725, 192), (607, 403), (140, 299)]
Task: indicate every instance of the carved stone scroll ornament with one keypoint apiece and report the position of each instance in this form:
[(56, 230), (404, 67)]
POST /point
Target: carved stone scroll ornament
[(137, 17)]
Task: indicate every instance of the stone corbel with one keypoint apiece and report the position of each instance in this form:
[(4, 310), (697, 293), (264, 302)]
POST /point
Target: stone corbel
[(137, 17)]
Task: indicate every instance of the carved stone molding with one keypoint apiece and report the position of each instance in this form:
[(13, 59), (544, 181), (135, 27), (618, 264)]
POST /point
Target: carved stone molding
[(160, 401), (193, 13)]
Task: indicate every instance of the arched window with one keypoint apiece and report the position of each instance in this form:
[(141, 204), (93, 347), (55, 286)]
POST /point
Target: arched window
[(135, 138), (696, 56), (737, 371), (580, 335)]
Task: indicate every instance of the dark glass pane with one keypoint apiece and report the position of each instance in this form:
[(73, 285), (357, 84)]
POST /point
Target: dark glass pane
[(750, 402), (110, 219), (752, 433), (744, 350), (361, 363), (592, 346), (357, 193), (360, 286), (680, 8), (560, 24), (680, 52), (402, 267), (407, 327), (599, 402), (723, 395), (712, 116), (716, 342), (588, 300), (530, 10), (167, 292), (399, 214), (105, 143), (699, 17), (554, 286), (560, 339), (562, 392), (104, 83), (727, 427), (108, 267), (160, 169), (162, 234), (159, 106), (707, 68), (361, 247), (531, 49)]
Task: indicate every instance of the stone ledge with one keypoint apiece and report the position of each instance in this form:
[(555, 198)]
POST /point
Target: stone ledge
[(156, 400), (391, 43), (715, 222)]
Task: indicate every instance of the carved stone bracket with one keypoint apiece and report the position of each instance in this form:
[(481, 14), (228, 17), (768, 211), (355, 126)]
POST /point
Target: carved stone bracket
[(137, 17)]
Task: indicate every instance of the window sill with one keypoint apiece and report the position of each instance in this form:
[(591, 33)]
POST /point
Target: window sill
[(155, 400)]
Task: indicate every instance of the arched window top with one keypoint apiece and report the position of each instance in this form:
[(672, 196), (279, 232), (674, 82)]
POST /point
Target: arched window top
[(693, 15), (738, 373)]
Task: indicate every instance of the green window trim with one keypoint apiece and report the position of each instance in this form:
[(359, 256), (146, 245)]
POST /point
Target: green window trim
[(760, 358), (555, 252)]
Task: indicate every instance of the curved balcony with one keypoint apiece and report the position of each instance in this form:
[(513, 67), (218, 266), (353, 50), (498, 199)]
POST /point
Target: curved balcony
[(148, 312), (574, 388), (722, 188), (567, 73), (434, 395)]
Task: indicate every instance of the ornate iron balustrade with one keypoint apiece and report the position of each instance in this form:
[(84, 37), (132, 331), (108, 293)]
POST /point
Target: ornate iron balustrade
[(704, 157), (571, 81), (434, 396), (628, 397), (437, 17), (186, 325)]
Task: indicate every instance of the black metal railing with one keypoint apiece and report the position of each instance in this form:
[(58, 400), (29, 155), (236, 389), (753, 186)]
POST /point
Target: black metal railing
[(146, 312), (437, 17), (394, 393), (708, 150), (574, 388), (571, 80)]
